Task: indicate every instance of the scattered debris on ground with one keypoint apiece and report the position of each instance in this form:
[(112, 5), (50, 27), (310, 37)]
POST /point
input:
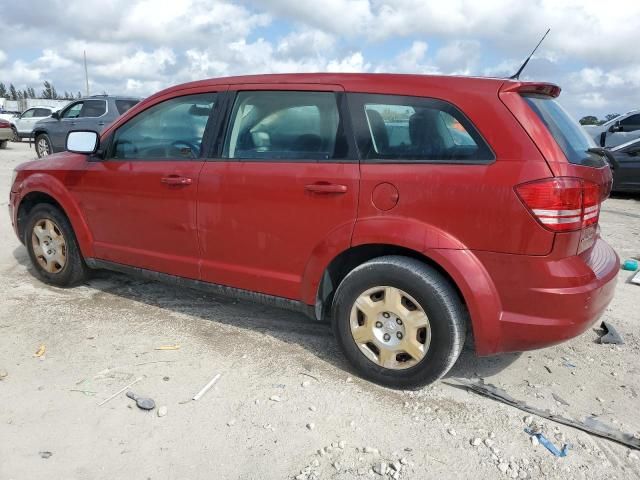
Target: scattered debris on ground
[(144, 403), (206, 388), (611, 335)]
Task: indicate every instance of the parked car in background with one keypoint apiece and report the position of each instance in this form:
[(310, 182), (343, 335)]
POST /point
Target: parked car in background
[(8, 115), (626, 166), (91, 113), (6, 133), (616, 131), (405, 209), (24, 123)]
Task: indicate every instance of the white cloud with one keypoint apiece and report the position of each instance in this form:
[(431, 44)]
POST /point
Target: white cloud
[(139, 46)]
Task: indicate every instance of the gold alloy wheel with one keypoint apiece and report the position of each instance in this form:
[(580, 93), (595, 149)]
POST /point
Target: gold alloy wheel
[(390, 327), (49, 245)]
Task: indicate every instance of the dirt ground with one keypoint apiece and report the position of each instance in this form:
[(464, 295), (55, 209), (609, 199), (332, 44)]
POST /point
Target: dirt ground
[(286, 405)]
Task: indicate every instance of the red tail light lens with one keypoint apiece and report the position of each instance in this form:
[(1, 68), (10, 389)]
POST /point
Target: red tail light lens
[(4, 124), (562, 204)]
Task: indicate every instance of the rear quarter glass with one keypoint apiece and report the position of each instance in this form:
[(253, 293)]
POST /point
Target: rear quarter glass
[(572, 139)]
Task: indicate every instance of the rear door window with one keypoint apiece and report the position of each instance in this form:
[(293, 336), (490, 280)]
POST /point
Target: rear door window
[(569, 135), (42, 112), (396, 128), (93, 108), (281, 125), (631, 123), (124, 105)]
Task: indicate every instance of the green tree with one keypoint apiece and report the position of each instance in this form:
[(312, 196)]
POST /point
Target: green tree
[(49, 91), (589, 120), (25, 94), (610, 116), (3, 91), (13, 94), (32, 92)]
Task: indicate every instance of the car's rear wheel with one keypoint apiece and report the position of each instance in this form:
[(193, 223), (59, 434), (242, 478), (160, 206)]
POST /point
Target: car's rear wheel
[(16, 137), (43, 145), (399, 322), (53, 248), (3, 144)]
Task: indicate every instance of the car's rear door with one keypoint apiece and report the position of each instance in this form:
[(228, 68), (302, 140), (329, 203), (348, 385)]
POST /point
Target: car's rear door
[(281, 192), (140, 201)]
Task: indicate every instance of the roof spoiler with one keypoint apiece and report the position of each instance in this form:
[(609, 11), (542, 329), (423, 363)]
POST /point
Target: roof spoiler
[(538, 88)]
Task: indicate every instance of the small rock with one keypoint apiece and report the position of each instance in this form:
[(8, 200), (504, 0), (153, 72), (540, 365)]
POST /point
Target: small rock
[(349, 379), (404, 461), (452, 432), (396, 466), (362, 471), (231, 422), (315, 462), (306, 383), (342, 444), (503, 467), (336, 465), (311, 426), (488, 442), (601, 400), (322, 452), (312, 408), (380, 468), (492, 435), (528, 420), (352, 424), (45, 455), (3, 373), (372, 450), (166, 379), (274, 398), (633, 456), (475, 442), (534, 440), (162, 411), (513, 473)]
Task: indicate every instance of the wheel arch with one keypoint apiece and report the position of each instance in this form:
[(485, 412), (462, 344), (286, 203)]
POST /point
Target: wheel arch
[(461, 268), (45, 189)]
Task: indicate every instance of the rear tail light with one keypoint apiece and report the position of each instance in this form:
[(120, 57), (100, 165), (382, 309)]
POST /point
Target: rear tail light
[(563, 204), (4, 124)]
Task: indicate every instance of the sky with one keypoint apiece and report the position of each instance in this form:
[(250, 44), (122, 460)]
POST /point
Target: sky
[(137, 47)]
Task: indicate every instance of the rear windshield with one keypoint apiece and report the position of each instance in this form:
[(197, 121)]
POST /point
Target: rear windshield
[(124, 105), (569, 135)]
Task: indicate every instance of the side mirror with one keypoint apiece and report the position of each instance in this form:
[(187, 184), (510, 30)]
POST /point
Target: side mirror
[(82, 141), (56, 115), (616, 127)]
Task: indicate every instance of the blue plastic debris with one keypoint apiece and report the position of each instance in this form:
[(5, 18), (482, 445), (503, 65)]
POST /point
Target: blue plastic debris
[(631, 265), (544, 441)]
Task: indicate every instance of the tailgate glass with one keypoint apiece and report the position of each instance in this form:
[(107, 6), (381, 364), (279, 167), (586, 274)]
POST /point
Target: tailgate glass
[(569, 135)]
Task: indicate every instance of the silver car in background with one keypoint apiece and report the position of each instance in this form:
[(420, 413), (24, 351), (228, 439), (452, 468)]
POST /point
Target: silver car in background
[(616, 131)]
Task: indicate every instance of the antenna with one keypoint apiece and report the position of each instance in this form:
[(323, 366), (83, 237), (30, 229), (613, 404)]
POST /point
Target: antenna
[(517, 74), (86, 74)]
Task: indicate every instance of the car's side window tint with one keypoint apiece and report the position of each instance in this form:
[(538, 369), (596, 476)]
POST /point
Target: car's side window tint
[(73, 111), (172, 129), (285, 125), (396, 128), (631, 123), (42, 112), (28, 113), (93, 108)]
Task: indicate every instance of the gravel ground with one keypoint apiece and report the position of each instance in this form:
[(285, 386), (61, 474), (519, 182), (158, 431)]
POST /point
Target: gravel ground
[(286, 405)]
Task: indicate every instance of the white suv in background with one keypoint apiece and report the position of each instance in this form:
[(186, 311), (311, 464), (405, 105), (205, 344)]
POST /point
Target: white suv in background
[(23, 125), (617, 131)]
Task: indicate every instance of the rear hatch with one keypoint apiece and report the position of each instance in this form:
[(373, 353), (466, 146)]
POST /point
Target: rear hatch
[(567, 204)]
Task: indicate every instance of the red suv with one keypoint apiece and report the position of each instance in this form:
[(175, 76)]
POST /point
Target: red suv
[(404, 208)]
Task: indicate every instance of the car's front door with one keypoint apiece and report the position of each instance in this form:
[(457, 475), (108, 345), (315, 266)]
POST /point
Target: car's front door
[(92, 116), (65, 122), (627, 173), (140, 201), (24, 124), (282, 192), (625, 130)]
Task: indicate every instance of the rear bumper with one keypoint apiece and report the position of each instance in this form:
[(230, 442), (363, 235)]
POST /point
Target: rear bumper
[(546, 301)]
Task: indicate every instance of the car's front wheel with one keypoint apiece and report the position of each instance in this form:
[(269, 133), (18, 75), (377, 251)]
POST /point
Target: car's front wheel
[(53, 248), (16, 136), (399, 322), (43, 145)]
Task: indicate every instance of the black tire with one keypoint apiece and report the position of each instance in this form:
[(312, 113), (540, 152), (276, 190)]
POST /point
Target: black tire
[(16, 138), (436, 296), (3, 144), (74, 271), (43, 145)]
